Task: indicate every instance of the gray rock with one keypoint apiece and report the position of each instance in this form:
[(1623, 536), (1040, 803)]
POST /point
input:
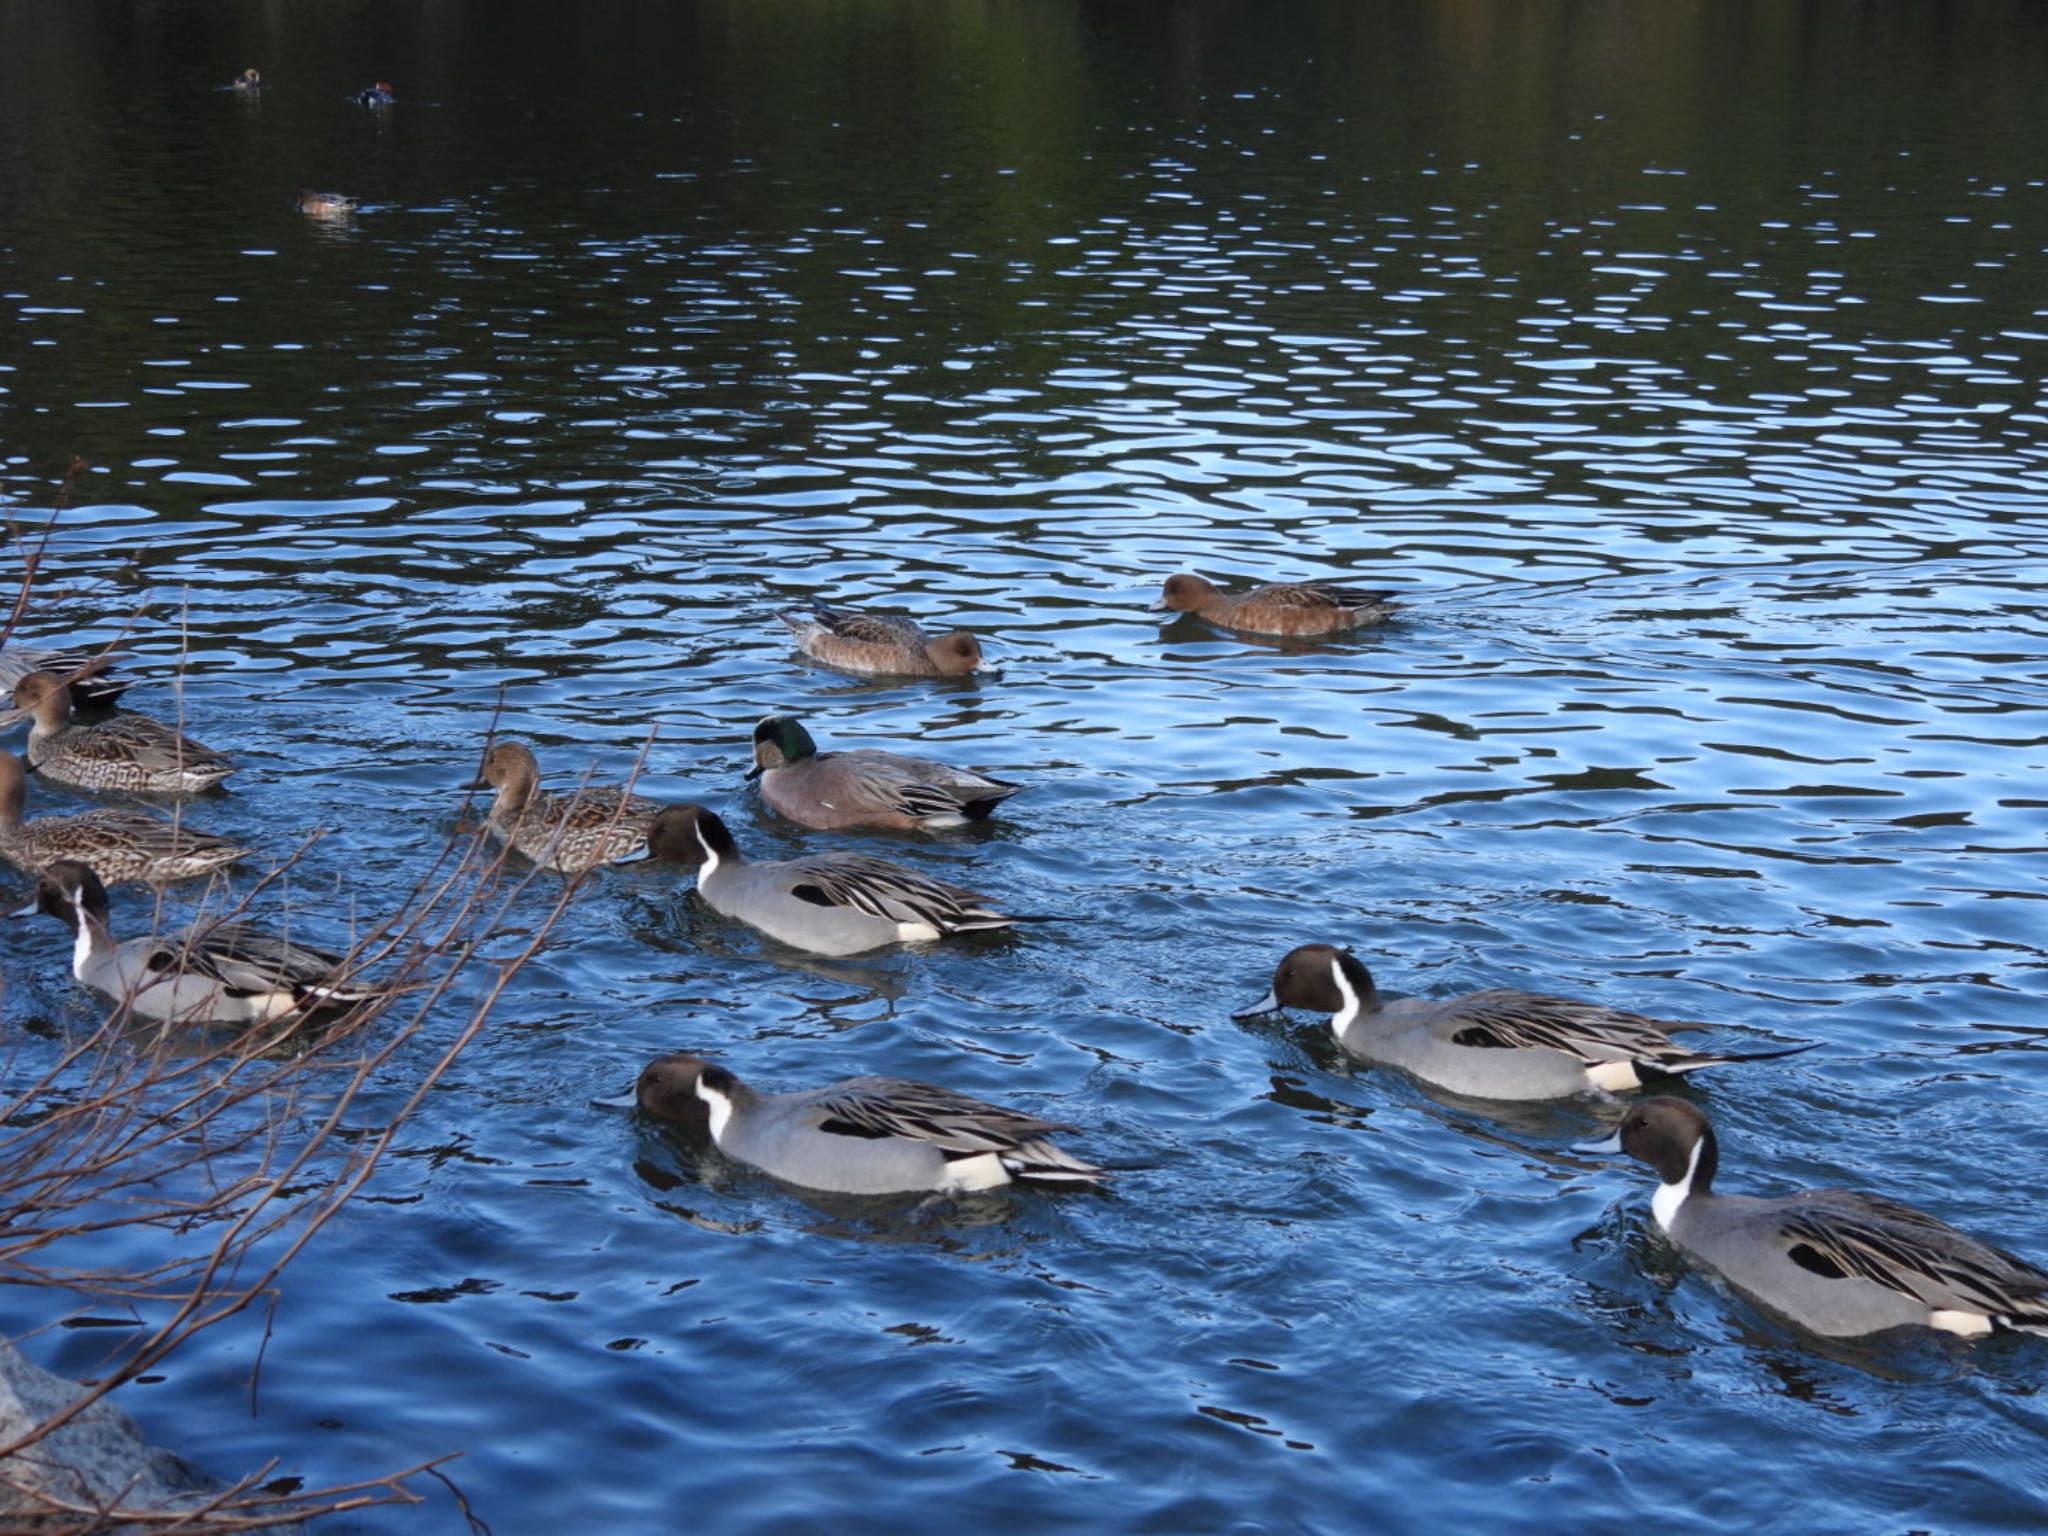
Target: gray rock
[(98, 1460)]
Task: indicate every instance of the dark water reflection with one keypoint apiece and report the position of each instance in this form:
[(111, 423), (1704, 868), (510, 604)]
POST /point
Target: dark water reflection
[(1679, 366)]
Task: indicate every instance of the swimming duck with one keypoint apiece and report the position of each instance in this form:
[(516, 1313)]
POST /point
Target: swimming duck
[(122, 846), (864, 787), (121, 752), (881, 644), (864, 1135), (1499, 1044), (379, 95), (1836, 1262), (570, 833), (824, 903), (217, 973), (248, 80), (324, 205), (87, 673), (1279, 608)]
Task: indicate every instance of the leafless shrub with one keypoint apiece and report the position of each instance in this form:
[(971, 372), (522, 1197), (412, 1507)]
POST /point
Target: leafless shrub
[(222, 1153)]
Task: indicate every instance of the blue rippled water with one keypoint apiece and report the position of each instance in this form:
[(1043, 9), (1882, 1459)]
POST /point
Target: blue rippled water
[(1681, 370)]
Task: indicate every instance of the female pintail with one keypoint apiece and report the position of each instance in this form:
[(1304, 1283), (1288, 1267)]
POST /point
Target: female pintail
[(121, 752), (570, 833)]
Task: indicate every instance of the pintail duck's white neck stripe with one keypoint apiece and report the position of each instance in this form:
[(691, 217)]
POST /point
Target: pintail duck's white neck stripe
[(1664, 1205), (1347, 1015), (710, 854), (718, 1109)]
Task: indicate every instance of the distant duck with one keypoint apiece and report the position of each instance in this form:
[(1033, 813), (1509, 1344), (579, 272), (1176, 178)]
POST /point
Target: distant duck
[(864, 1135), (864, 787), (1834, 1261), (570, 833), (882, 644), (120, 844), (249, 80), (823, 903), (379, 95), (1279, 608), (216, 973), (121, 752), (1500, 1044), (85, 672), (324, 205)]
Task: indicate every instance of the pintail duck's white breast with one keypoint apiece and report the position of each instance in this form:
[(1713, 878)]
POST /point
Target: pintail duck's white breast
[(864, 1135), (1833, 1261), (864, 787), (1497, 1044)]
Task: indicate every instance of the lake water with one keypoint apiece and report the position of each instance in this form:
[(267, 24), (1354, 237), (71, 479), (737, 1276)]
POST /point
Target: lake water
[(1680, 365)]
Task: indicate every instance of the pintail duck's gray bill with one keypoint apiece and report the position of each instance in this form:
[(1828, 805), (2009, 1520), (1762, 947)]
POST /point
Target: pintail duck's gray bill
[(1608, 1148), (1270, 1003), (627, 1100), (31, 910)]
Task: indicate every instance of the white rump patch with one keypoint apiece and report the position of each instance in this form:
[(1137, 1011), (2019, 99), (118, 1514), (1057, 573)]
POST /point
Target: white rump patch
[(1969, 1324), (1346, 1016), (915, 933), (1669, 1197), (983, 1172), (1614, 1076)]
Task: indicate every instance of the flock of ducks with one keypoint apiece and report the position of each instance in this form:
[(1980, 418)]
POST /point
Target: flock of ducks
[(1833, 1261), (322, 205)]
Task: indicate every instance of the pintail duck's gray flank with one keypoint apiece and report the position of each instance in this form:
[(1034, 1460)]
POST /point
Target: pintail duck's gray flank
[(865, 787), (568, 833), (124, 751), (88, 674), (1497, 1044), (1834, 1261), (823, 903), (216, 973), (864, 1135), (1298, 608), (881, 644), (121, 845)]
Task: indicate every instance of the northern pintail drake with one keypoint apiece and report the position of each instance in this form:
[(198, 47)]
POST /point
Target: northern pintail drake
[(1834, 1261), (379, 95), (1279, 608), (864, 787), (569, 833), (120, 752), (824, 903), (324, 205), (1499, 1044), (882, 644), (249, 80), (864, 1135), (121, 845), (87, 673), (216, 973)]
